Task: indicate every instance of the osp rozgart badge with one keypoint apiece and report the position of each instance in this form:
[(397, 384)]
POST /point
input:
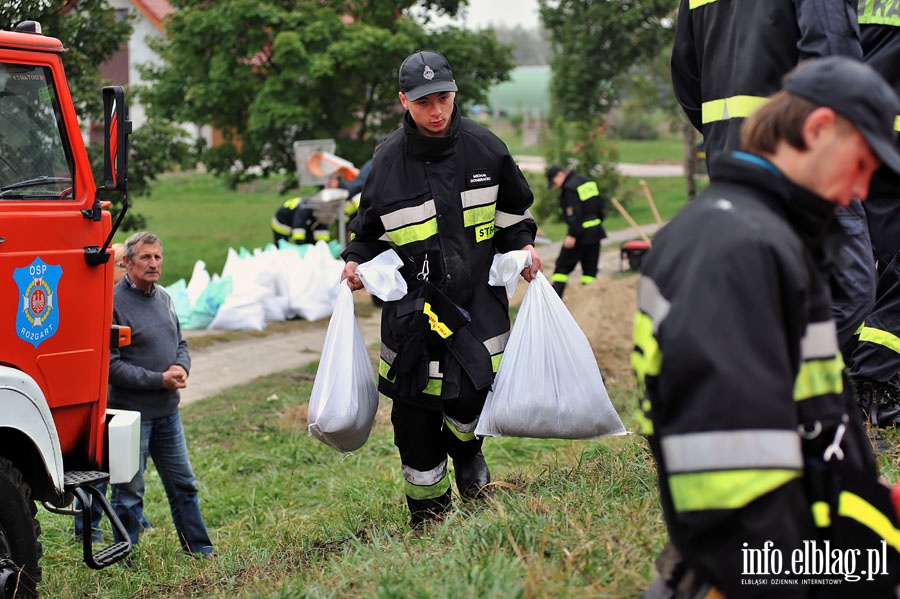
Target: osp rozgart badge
[(37, 318)]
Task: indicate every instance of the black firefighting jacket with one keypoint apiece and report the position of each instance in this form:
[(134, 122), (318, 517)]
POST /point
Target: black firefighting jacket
[(730, 55), (582, 208), (753, 426), (447, 205)]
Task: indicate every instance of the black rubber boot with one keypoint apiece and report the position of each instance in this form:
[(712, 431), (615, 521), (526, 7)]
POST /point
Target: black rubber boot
[(880, 402), (559, 288), (472, 476), (427, 510)]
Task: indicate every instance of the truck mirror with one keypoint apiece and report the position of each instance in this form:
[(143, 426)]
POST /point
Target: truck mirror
[(117, 127)]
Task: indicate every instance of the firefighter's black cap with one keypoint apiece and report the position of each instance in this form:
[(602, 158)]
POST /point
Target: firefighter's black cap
[(858, 93), (551, 174), (425, 72)]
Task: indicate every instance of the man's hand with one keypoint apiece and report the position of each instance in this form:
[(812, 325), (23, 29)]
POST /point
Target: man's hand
[(530, 272), (569, 242), (175, 377), (349, 275)]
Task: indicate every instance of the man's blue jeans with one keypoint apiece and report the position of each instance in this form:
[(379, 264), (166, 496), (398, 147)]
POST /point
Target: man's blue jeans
[(163, 440)]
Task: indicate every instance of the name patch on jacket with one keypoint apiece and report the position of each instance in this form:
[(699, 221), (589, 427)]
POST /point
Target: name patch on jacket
[(480, 178)]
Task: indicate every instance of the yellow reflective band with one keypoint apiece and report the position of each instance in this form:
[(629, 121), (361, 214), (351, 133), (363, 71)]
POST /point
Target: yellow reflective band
[(591, 223), (856, 508), (292, 203), (279, 228), (819, 377), (724, 490), (897, 123), (383, 368), (698, 3), (873, 14), (645, 425), (646, 359), (435, 323), (588, 190), (413, 233), (879, 337), (433, 387), (462, 436), (495, 362), (586, 279), (730, 108), (320, 235), (430, 491), (559, 277), (478, 215), (821, 513), (484, 232)]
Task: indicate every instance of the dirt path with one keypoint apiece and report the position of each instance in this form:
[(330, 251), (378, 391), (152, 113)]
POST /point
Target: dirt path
[(604, 310)]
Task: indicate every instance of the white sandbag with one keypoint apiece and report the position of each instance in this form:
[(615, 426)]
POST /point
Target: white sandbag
[(344, 396), (199, 280), (381, 276), (314, 289), (241, 311), (548, 384)]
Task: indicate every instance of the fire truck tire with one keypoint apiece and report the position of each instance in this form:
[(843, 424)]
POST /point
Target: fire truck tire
[(19, 532)]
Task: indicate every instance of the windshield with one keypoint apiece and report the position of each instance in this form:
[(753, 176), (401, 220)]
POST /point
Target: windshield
[(34, 156)]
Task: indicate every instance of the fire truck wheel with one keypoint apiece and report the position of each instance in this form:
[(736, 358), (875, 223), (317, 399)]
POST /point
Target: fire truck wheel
[(20, 551)]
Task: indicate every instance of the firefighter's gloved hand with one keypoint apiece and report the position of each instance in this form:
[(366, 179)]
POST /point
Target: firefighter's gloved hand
[(410, 368)]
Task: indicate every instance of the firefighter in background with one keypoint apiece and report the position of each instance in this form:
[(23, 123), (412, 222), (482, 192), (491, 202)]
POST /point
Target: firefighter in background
[(756, 436), (583, 210), (354, 188), (875, 361), (295, 222)]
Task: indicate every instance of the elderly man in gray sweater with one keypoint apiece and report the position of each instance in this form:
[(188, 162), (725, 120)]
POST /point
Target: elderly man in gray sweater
[(146, 376)]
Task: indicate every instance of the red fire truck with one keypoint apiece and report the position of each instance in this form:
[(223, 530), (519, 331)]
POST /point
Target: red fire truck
[(56, 436)]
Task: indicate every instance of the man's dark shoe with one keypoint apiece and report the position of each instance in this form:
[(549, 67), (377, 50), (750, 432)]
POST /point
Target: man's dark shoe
[(422, 511), (472, 476), (879, 402)]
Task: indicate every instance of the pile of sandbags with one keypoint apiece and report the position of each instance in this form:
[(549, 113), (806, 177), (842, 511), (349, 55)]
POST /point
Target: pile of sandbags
[(275, 283)]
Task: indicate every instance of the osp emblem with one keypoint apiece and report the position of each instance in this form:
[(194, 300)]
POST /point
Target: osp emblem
[(38, 316), (428, 73)]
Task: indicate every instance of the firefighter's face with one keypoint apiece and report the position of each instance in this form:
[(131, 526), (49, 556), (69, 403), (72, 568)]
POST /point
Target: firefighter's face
[(840, 164), (431, 113), (144, 269)]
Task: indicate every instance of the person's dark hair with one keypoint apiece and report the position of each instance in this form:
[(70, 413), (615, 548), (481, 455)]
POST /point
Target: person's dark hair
[(139, 238), (779, 119)]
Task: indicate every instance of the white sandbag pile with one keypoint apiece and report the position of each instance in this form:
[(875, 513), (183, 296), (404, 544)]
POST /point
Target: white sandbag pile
[(265, 285)]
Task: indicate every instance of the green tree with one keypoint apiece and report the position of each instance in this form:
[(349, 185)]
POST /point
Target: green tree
[(267, 73)]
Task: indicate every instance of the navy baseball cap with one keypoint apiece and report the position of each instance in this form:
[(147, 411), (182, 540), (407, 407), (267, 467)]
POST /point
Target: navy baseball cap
[(858, 93), (551, 174), (425, 72)]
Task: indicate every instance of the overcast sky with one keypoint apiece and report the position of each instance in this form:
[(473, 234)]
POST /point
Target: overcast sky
[(483, 13)]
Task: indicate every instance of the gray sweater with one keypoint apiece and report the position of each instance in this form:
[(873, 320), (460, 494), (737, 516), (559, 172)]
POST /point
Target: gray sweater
[(135, 371)]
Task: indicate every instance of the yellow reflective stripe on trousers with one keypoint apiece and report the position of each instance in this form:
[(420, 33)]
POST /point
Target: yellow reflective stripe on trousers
[(646, 359), (854, 507), (463, 432), (698, 3), (587, 190), (819, 377), (426, 485), (730, 108), (880, 337), (732, 489)]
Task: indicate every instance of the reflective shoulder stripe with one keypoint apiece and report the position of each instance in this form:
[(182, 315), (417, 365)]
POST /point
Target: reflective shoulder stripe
[(479, 197), (730, 108), (728, 490), (651, 301), (408, 216), (588, 190), (732, 450), (819, 377), (819, 341), (856, 508), (698, 3), (507, 219), (291, 203), (280, 228), (880, 337)]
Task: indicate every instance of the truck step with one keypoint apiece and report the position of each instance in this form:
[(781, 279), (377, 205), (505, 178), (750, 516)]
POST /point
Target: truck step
[(79, 478), (80, 484)]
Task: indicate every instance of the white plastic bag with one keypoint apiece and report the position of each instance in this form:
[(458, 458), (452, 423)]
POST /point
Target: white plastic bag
[(381, 276), (344, 396), (548, 384), (506, 268)]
